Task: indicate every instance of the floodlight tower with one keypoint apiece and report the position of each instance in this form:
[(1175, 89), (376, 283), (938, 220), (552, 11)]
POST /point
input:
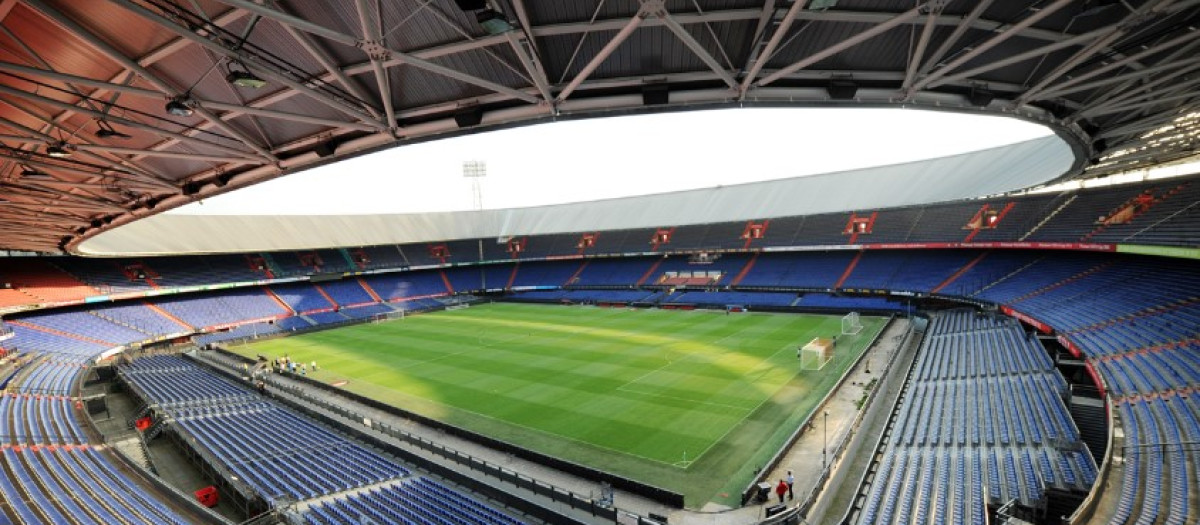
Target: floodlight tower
[(475, 170)]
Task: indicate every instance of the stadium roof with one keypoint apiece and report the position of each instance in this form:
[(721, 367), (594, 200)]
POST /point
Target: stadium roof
[(85, 87)]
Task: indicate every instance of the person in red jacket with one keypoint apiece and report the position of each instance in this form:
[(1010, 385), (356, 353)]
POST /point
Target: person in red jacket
[(781, 489)]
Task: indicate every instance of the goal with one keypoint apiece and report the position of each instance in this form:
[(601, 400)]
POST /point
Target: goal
[(816, 354), (851, 325)]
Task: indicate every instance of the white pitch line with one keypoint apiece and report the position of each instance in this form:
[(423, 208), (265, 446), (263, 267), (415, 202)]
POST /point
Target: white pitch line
[(678, 398)]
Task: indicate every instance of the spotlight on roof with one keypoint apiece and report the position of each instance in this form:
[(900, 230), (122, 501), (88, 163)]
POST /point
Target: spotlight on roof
[(493, 22), (58, 151), (243, 77), (841, 89), (179, 108), (106, 131), (819, 5)]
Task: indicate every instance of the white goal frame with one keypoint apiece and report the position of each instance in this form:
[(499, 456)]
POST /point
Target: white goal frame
[(812, 356), (851, 324)]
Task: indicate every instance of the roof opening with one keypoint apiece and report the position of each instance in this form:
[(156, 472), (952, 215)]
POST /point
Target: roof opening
[(604, 158)]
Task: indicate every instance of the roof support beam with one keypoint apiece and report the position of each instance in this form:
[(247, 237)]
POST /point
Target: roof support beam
[(526, 48), (457, 26), (1145, 124), (149, 93), (760, 30), (336, 104), (604, 53), (374, 35), (765, 55), (1147, 89), (133, 170), (38, 220), (136, 151), (49, 124), (1161, 98), (914, 61), (328, 63), (991, 42), (1110, 34), (1018, 58), (31, 190), (1073, 84), (58, 226), (149, 59), (106, 203), (525, 52), (46, 219), (1132, 75), (1140, 156), (1137, 84), (960, 29), (101, 189), (116, 56), (406, 58), (113, 175), (843, 45), (40, 207), (113, 54), (697, 48), (127, 122)]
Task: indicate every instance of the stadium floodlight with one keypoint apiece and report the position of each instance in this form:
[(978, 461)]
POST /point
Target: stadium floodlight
[(475, 170), (493, 22), (59, 150), (106, 131), (178, 107), (819, 5), (243, 77)]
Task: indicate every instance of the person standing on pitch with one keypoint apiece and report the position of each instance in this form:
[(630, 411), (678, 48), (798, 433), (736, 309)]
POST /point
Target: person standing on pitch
[(791, 480), (781, 489)]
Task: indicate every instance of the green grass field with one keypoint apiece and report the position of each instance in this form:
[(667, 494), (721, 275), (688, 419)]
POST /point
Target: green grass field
[(691, 401)]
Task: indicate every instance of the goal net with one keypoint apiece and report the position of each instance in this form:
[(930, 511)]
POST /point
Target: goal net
[(816, 354), (851, 325)]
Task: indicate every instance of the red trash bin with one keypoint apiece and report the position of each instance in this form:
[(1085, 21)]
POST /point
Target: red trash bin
[(207, 496)]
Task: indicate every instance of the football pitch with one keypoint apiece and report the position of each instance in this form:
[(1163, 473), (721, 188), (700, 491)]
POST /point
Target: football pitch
[(690, 401)]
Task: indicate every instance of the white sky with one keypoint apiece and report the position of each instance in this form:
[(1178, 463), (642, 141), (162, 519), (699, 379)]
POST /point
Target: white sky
[(621, 156)]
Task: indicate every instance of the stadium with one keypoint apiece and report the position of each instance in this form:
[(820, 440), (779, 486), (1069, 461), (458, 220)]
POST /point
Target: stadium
[(1008, 334)]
